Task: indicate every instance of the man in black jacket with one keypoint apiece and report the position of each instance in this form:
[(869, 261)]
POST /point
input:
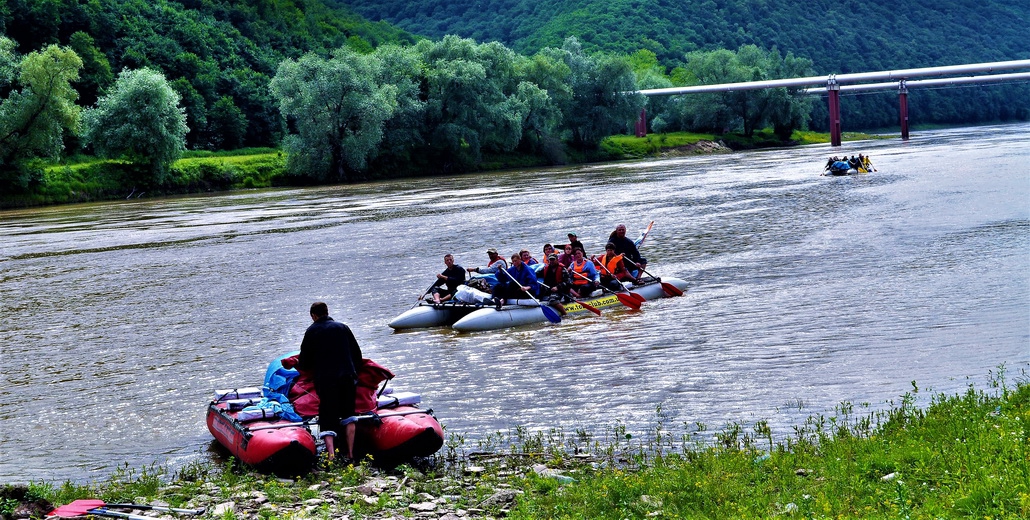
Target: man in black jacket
[(330, 352)]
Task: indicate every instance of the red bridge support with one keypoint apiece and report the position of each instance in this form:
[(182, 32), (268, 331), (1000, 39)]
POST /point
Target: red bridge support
[(833, 90), (642, 123), (903, 101)]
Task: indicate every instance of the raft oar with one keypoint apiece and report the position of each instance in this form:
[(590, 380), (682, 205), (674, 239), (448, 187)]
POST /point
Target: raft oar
[(643, 236), (628, 299), (420, 298), (377, 416), (549, 313), (670, 290), (85, 507), (638, 297), (585, 305)]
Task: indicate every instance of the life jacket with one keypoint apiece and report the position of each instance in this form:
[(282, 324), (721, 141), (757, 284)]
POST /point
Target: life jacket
[(552, 277), (582, 270), (613, 264), (305, 399)]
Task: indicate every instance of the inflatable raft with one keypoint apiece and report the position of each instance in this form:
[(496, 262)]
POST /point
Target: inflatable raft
[(526, 312), (277, 439)]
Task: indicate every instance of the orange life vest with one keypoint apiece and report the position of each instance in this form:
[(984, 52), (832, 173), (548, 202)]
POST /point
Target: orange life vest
[(581, 268), (613, 264)]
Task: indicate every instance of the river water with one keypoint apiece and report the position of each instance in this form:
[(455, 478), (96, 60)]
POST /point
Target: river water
[(119, 319)]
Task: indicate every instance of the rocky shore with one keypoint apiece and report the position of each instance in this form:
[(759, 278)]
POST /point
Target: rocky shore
[(470, 491)]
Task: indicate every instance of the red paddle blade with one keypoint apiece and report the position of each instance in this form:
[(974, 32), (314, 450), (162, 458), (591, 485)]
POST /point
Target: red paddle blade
[(628, 300), (671, 290), (77, 508), (590, 308), (637, 297)]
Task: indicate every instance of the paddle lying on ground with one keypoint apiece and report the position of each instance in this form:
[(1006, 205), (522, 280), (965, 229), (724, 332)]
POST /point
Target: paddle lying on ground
[(549, 313), (631, 300), (585, 305), (85, 507), (668, 288)]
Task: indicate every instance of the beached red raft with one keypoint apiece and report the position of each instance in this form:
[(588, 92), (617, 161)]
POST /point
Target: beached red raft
[(391, 428)]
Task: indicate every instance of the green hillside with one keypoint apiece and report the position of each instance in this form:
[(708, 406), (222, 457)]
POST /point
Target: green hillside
[(838, 36), (218, 54)]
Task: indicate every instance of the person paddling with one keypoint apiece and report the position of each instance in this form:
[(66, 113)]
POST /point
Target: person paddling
[(522, 282), (448, 281)]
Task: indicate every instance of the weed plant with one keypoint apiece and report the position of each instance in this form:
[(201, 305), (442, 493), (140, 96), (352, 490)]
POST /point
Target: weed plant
[(961, 456)]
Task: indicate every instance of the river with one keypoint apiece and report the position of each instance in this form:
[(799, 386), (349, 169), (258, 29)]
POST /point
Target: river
[(119, 319)]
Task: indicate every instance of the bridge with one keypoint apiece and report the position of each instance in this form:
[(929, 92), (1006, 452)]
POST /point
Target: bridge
[(832, 85)]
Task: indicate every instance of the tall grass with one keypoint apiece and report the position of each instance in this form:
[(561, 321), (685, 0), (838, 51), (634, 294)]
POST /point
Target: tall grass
[(963, 456)]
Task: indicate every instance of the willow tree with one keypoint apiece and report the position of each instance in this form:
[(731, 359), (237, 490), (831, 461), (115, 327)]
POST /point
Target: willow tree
[(747, 110), (336, 109), (595, 104), (139, 120), (472, 101), (39, 108)]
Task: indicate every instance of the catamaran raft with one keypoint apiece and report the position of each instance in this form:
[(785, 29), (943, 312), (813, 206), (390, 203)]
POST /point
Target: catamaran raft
[(473, 310)]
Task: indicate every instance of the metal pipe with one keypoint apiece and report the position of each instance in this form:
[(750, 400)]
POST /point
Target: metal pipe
[(842, 79)]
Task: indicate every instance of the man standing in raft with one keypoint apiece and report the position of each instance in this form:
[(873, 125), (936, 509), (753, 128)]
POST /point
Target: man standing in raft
[(330, 352)]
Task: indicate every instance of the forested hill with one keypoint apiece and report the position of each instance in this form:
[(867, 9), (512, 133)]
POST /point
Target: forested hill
[(839, 36), (218, 54)]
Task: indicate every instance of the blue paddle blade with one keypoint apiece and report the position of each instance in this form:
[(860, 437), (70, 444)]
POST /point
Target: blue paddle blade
[(551, 314)]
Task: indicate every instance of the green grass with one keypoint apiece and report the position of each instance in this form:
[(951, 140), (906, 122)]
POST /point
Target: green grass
[(959, 456), (964, 456)]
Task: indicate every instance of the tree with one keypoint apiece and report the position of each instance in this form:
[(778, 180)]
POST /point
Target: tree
[(227, 124), (335, 111), (600, 104), (748, 110), (33, 120), (96, 71), (471, 100), (139, 120)]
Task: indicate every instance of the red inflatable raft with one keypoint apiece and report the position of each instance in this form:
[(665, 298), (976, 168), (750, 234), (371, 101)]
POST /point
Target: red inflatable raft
[(392, 432), (273, 446)]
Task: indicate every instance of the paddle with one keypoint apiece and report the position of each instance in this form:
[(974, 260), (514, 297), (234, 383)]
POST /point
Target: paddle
[(373, 415), (643, 236), (549, 313), (427, 291), (85, 507), (585, 305), (668, 288), (624, 288), (628, 299)]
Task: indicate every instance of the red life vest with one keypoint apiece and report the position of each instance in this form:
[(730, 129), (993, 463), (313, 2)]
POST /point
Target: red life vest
[(553, 277)]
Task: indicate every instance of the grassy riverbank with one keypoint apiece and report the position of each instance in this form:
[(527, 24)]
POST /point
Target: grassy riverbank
[(86, 179), (963, 455)]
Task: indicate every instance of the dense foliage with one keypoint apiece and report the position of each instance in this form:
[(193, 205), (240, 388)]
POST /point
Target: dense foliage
[(219, 55), (438, 106), (837, 36), (347, 98)]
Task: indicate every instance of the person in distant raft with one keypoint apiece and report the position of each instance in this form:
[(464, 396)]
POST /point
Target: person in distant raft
[(448, 281), (330, 352)]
